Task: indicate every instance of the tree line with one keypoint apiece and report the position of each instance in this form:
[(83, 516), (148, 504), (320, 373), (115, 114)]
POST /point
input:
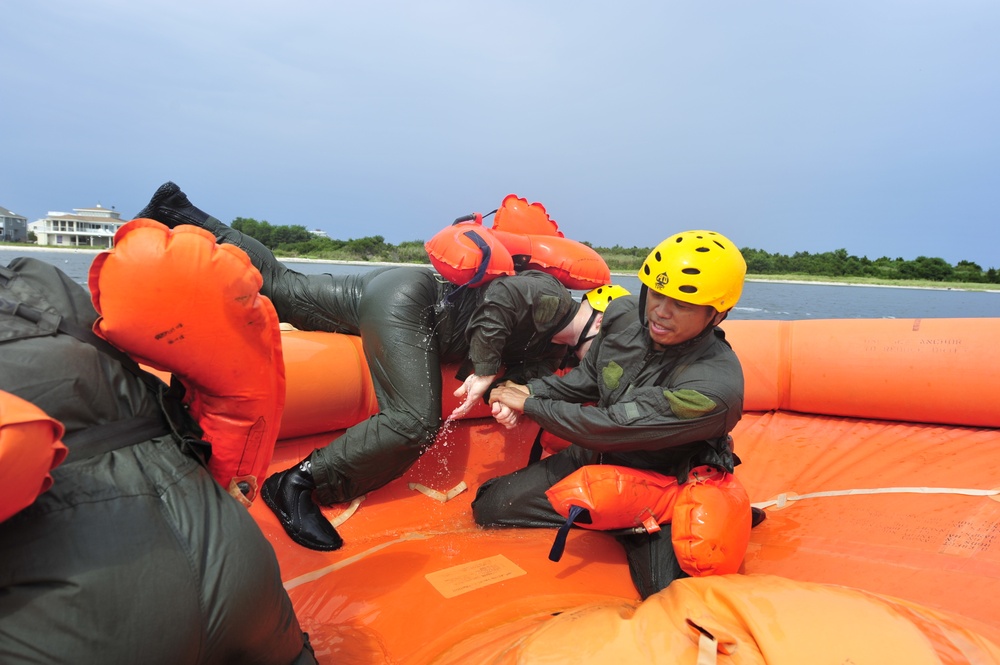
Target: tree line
[(298, 241)]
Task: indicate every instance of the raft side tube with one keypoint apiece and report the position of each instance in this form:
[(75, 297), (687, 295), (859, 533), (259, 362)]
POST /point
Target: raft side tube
[(912, 370)]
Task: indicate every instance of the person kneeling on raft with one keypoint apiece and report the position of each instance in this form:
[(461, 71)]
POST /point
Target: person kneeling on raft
[(660, 390)]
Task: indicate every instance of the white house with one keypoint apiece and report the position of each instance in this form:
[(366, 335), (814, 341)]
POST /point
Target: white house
[(85, 227)]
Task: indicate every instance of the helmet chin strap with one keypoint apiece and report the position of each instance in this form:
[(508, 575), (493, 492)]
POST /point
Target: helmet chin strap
[(581, 340), (642, 306)]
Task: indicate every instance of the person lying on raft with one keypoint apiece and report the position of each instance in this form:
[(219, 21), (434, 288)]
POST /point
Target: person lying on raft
[(661, 390), (410, 321)]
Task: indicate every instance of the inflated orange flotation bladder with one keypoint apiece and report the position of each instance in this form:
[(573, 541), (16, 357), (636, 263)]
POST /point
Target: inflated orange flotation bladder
[(178, 302), (516, 215), (617, 497), (30, 448), (711, 523), (732, 619), (523, 237), (467, 253), (709, 514), (574, 264)]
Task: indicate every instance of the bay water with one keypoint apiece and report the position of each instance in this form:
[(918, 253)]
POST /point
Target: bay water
[(761, 299)]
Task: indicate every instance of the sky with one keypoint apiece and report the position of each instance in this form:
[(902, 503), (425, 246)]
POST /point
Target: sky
[(866, 125)]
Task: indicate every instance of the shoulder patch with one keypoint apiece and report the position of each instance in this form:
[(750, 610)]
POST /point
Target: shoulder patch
[(546, 308), (612, 375), (688, 403)]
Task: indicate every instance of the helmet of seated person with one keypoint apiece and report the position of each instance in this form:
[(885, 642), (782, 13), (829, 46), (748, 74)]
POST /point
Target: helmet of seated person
[(697, 267)]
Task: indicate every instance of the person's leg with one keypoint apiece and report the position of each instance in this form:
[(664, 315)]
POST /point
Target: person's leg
[(397, 330), (308, 302), (652, 561), (518, 499)]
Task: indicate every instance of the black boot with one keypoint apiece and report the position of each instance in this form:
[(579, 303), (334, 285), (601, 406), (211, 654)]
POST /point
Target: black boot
[(171, 206), (757, 515), (289, 495)]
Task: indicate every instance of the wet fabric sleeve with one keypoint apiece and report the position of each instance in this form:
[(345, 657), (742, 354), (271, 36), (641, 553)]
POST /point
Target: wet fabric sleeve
[(523, 310), (579, 385), (644, 422), (639, 413)]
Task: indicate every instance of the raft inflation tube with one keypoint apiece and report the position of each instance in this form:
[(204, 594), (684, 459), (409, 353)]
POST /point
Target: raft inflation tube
[(913, 370), (176, 301)]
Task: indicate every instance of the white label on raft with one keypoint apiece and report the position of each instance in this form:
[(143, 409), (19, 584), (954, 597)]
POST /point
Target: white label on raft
[(455, 581)]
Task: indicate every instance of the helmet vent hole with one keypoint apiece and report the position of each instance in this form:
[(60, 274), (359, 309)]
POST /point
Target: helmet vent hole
[(702, 249), (687, 288), (691, 271)]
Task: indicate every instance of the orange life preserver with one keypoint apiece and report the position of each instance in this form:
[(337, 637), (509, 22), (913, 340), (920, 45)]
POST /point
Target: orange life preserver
[(711, 523), (176, 301), (523, 237), (709, 514), (30, 447), (574, 264), (467, 253), (616, 497)]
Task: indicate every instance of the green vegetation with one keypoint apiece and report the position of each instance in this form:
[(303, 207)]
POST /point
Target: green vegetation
[(298, 242)]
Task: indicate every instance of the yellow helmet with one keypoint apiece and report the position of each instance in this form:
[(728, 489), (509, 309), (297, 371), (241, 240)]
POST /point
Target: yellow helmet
[(698, 267), (600, 297)]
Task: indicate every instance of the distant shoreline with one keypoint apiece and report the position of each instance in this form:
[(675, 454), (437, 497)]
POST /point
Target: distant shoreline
[(901, 285)]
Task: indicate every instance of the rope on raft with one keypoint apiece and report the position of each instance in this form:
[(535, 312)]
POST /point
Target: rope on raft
[(783, 500)]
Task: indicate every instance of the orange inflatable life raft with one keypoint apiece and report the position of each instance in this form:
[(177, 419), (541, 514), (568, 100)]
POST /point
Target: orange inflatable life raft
[(176, 301), (523, 237), (867, 442), (30, 447)]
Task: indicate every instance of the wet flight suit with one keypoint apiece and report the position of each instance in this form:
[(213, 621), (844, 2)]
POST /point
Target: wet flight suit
[(645, 417), (411, 321), (135, 554)]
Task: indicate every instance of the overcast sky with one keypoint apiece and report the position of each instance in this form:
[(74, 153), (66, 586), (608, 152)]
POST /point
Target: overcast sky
[(867, 125)]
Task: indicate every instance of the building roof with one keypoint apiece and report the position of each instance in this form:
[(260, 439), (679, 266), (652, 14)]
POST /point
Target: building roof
[(10, 213)]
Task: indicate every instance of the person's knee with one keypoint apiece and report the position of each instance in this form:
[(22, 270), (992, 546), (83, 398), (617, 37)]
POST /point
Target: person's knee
[(485, 507), (419, 430)]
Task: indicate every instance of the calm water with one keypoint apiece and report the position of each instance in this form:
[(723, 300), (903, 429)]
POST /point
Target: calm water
[(761, 300)]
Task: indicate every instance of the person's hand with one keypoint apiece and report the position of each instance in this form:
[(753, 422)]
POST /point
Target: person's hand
[(472, 389), (510, 395), (505, 415)]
